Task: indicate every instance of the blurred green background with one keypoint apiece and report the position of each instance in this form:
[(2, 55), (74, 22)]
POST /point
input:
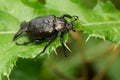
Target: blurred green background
[(91, 60)]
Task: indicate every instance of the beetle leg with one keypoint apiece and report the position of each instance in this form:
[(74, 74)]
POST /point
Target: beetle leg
[(48, 43), (25, 43), (18, 34), (22, 29), (62, 42)]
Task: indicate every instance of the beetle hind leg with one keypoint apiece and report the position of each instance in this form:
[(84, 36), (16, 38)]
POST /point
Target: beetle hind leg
[(25, 43), (48, 43), (22, 29), (31, 41)]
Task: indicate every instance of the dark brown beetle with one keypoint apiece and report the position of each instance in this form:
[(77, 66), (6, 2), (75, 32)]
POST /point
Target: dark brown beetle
[(46, 28)]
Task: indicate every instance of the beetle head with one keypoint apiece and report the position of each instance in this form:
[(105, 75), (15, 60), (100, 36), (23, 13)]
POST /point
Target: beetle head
[(23, 28), (69, 25)]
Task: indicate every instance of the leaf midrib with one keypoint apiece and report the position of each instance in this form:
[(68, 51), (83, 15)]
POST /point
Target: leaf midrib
[(85, 24)]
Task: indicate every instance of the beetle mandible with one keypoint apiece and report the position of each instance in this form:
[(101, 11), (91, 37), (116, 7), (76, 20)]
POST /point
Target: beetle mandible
[(46, 28)]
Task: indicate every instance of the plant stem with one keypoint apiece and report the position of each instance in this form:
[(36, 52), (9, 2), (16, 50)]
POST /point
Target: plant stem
[(78, 39), (112, 57)]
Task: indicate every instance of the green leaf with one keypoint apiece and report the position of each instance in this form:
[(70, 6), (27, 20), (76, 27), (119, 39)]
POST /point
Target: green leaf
[(103, 21), (8, 22), (11, 14), (105, 24)]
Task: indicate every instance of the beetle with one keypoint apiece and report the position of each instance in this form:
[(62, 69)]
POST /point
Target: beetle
[(46, 28)]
